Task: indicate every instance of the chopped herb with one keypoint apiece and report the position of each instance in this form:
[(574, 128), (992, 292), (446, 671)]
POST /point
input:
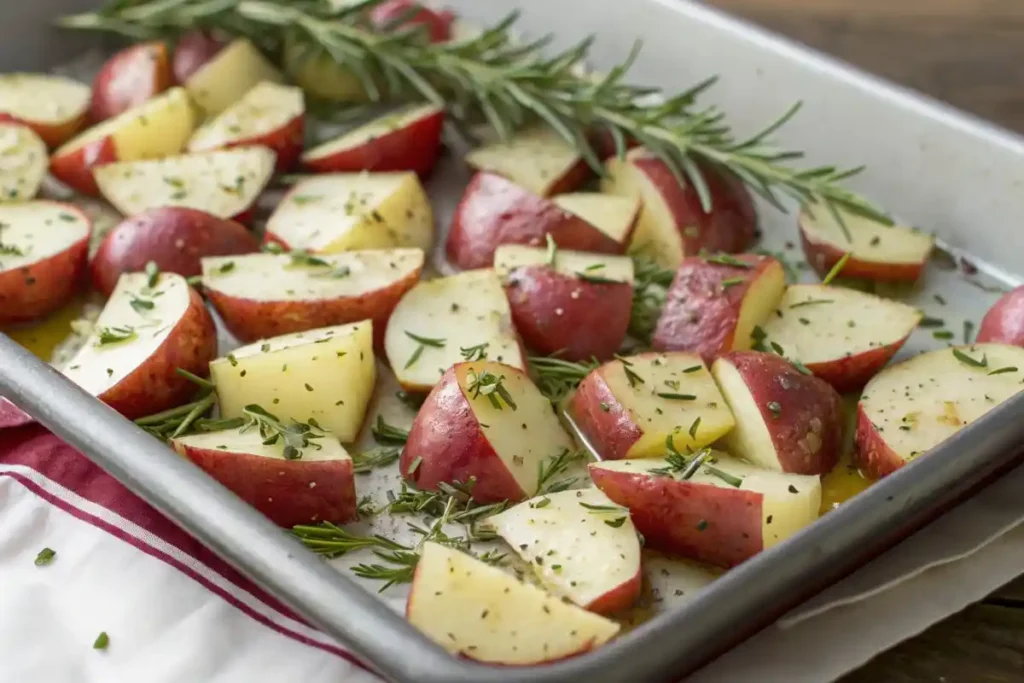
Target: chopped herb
[(303, 199), (423, 343), (702, 525), (928, 321), (10, 250), (967, 360), (295, 436), (1001, 371), (692, 368), (557, 377), (602, 508), (757, 337), (387, 434), (303, 259), (542, 503), (102, 641), (414, 401), (141, 305), (728, 260), (152, 273), (554, 466), (812, 302), (837, 268), (474, 353), (942, 334), (694, 427), (676, 397), (45, 557), (732, 281), (616, 523), (225, 267), (968, 331), (631, 376), (605, 407), (338, 273), (938, 298), (367, 461), (490, 385), (596, 279), (115, 335)]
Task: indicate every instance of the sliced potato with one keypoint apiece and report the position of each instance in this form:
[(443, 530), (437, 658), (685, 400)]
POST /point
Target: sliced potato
[(23, 162), (228, 75), (614, 216), (538, 159), (581, 264), (53, 106)]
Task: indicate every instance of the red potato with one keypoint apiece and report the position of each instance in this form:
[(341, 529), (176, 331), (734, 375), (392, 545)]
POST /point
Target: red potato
[(785, 420), (12, 416), (156, 128), (579, 307), (630, 408), (878, 252), (174, 238), (461, 434), (843, 336), (270, 115), (267, 295), (441, 312), (537, 159), (133, 75), (25, 162), (594, 564), (394, 14), (43, 252), (216, 76), (224, 183), (616, 217), (1004, 322), (715, 303), (483, 613), (708, 517), (495, 211), (673, 223), (192, 51), (144, 334), (407, 140), (318, 485), (55, 108), (913, 406)]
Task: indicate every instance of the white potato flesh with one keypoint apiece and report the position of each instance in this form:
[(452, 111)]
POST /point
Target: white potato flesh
[(656, 234), (343, 211), (156, 128), (42, 98), (99, 364), (919, 403), (521, 449), (231, 73), (23, 162), (369, 132), (750, 437), (819, 323), (658, 416), (266, 108), (789, 502), (478, 611), (326, 374), (612, 215), (249, 442), (570, 547), (461, 311), (223, 183), (508, 257), (872, 241), (34, 231), (536, 159), (280, 277)]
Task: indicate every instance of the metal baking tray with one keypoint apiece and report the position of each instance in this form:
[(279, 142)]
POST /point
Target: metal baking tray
[(928, 164)]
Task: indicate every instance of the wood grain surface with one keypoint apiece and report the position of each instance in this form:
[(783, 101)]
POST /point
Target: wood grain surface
[(969, 53)]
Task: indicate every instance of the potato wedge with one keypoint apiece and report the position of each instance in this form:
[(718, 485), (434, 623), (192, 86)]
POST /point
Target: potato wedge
[(885, 253), (708, 517), (615, 216), (150, 327), (43, 251), (481, 612), (266, 295), (23, 162), (913, 406), (56, 108), (629, 407), (346, 211), (487, 422), (576, 544), (437, 319), (841, 335), (579, 307), (133, 75), (270, 115), (157, 128), (325, 375), (315, 485), (1004, 322), (192, 51), (227, 74), (537, 159), (224, 183)]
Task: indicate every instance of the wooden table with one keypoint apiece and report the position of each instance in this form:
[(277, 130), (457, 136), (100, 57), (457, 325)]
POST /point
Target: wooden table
[(969, 53)]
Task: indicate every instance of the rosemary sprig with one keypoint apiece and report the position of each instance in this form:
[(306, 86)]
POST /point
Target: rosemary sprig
[(296, 436), (423, 342), (492, 386), (473, 353), (386, 434), (555, 466), (494, 77), (115, 335), (186, 418), (332, 541), (556, 377), (650, 281), (685, 466), (367, 461)]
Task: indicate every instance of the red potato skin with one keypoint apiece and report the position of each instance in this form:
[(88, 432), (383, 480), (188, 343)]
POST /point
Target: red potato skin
[(670, 514), (851, 373), (620, 598), (451, 447), (700, 313), (613, 432), (594, 316), (810, 411), (251, 320), (496, 211), (74, 168), (54, 135), (1004, 322), (415, 147), (35, 291), (438, 24), (175, 238), (12, 416), (871, 453), (822, 256), (286, 142), (129, 78), (156, 385), (288, 492), (192, 52), (730, 227)]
